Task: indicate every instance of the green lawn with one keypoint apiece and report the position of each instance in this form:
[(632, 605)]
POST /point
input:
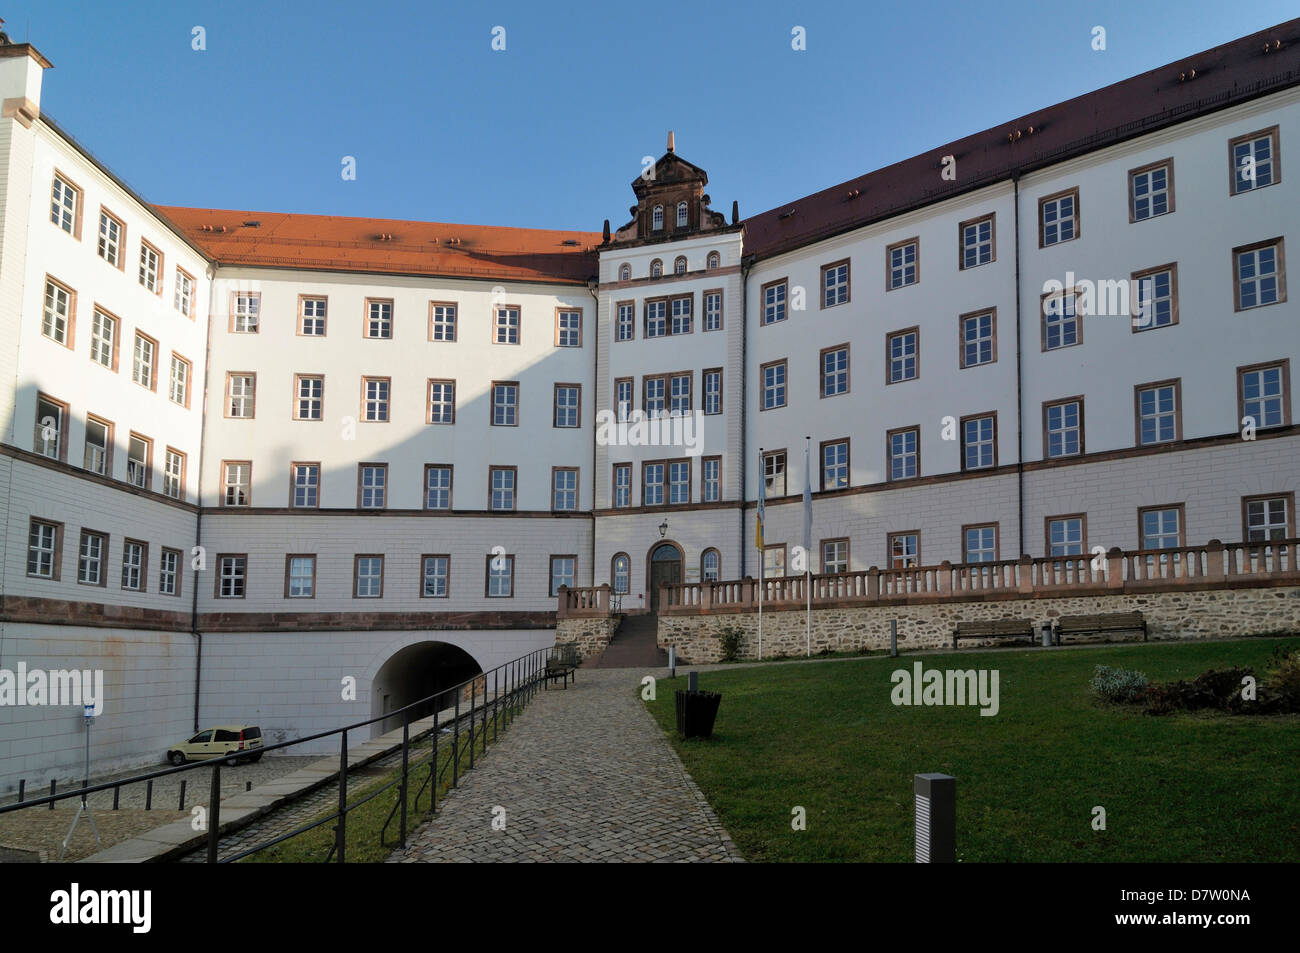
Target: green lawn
[(826, 737)]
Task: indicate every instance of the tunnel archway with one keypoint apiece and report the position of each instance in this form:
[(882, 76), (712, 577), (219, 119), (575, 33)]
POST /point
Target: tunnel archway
[(415, 672)]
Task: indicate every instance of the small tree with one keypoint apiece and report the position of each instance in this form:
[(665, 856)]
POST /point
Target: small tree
[(729, 637)]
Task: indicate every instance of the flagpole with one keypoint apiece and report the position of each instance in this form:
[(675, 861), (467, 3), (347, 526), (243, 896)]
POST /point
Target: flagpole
[(807, 532), (762, 484)]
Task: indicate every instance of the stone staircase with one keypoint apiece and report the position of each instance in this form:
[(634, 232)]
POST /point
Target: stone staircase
[(634, 645)]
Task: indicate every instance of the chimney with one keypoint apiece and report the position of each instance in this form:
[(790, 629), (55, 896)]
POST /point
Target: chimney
[(672, 145), (21, 69)]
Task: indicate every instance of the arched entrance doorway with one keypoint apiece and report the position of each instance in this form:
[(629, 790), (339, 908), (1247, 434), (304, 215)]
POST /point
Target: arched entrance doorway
[(663, 565), (417, 671)]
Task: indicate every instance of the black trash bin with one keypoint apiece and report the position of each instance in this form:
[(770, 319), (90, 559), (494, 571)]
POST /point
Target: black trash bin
[(696, 712)]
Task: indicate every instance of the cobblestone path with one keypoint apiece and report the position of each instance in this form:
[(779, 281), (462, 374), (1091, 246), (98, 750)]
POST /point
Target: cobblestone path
[(585, 774)]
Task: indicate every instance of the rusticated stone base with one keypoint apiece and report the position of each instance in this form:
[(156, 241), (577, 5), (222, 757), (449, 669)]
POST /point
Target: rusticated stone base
[(591, 635), (1202, 614)]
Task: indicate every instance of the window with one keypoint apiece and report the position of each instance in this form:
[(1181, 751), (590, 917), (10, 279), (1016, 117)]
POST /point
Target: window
[(304, 491), (1254, 161), (652, 484), (679, 481), (437, 487), (653, 396), (241, 393), (835, 464), (904, 549), (90, 558), (904, 356), (835, 284), (1159, 412), (501, 488), (568, 401), (679, 265), (563, 569), (622, 485), (1259, 274), (245, 311), (1156, 294), (625, 272), (97, 456), (374, 399), (505, 327), (1264, 394), (1268, 518), (368, 577), (710, 566), (1161, 527), (235, 480), (139, 461), (1063, 428), (435, 576), (1061, 326), (979, 442), (657, 218), (1058, 218), (1151, 190), (568, 327), (682, 315), (145, 360), (622, 397), (977, 243), (835, 370), (299, 576), (835, 556), (442, 402), (65, 206), (134, 564), (774, 385), (774, 295), (979, 338), (904, 453), (679, 399), (621, 573), (711, 479), (312, 312), (51, 427), (103, 339), (60, 309), (183, 300), (713, 310), (681, 215), (713, 262), (656, 318), (980, 543), (372, 486), (656, 268), (625, 326), (442, 321), (379, 318), (44, 549), (500, 577), (505, 404), (174, 474), (178, 386), (903, 262), (232, 576), (564, 489), (1065, 536), (774, 473), (310, 404), (111, 233), (774, 561), (713, 390), (150, 268)]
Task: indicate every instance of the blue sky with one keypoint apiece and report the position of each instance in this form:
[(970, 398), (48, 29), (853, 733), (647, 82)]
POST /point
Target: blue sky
[(550, 132)]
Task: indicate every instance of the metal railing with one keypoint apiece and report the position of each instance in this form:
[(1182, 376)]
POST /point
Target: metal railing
[(514, 685)]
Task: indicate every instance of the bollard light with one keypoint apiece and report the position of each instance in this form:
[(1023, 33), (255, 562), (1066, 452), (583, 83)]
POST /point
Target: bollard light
[(672, 661), (936, 818), (893, 638), (1047, 635), (693, 682)]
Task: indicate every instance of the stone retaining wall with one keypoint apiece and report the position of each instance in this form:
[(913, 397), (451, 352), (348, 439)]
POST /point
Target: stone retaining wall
[(592, 635), (1200, 614)]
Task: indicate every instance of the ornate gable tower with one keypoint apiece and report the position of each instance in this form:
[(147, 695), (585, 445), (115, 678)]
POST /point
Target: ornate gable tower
[(671, 202)]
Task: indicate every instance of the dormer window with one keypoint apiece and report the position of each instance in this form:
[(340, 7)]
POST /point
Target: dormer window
[(679, 266), (656, 269), (624, 272), (681, 214), (657, 218), (714, 261)]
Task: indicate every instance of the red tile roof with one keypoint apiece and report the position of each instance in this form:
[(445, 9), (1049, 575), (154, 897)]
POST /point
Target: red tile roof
[(387, 246), (1224, 76)]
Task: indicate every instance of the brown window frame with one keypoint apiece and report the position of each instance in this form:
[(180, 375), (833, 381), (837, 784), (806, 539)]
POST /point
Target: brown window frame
[(189, 379), (288, 561), (704, 310), (70, 332), (577, 488), (235, 295), (297, 396), (1280, 242), (961, 336), (785, 471), (361, 468), (889, 360), (225, 483), (703, 460), (428, 401), (491, 402), (56, 567), (109, 439), (356, 571), (1285, 365), (117, 336), (1168, 164), (451, 488), (194, 288), (180, 574), (997, 541), (230, 375), (148, 465), (848, 553), (555, 405), (762, 387), (704, 391), (420, 581), (120, 264), (613, 486), (185, 465), (582, 319), (103, 557), (618, 305), (293, 467), (821, 370), (365, 319), (152, 386), (1182, 521), (961, 440), (889, 460), (889, 547), (1060, 402), (455, 329), (1177, 383), (365, 379), (1135, 279), (961, 240), (64, 428), (161, 267), (1078, 318), (216, 582), (1078, 216), (1084, 552), (762, 301), (302, 299), (889, 265), (492, 324), (848, 463), (514, 493), (1288, 496), (144, 564), (1232, 165), (550, 571), (848, 282), (487, 576), (81, 204)]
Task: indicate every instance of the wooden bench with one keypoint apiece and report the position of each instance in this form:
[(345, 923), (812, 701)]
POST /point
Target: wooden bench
[(1109, 622), (994, 629), (562, 664)]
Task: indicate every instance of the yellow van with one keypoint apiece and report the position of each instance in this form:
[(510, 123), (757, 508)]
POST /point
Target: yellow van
[(218, 742)]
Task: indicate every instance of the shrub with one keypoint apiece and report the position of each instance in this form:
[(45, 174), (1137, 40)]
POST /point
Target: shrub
[(730, 636), (1119, 685)]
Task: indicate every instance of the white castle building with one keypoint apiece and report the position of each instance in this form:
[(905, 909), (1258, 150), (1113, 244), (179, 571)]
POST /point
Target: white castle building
[(245, 455)]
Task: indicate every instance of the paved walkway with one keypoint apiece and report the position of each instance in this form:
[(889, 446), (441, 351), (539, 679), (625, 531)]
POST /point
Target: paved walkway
[(585, 774)]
